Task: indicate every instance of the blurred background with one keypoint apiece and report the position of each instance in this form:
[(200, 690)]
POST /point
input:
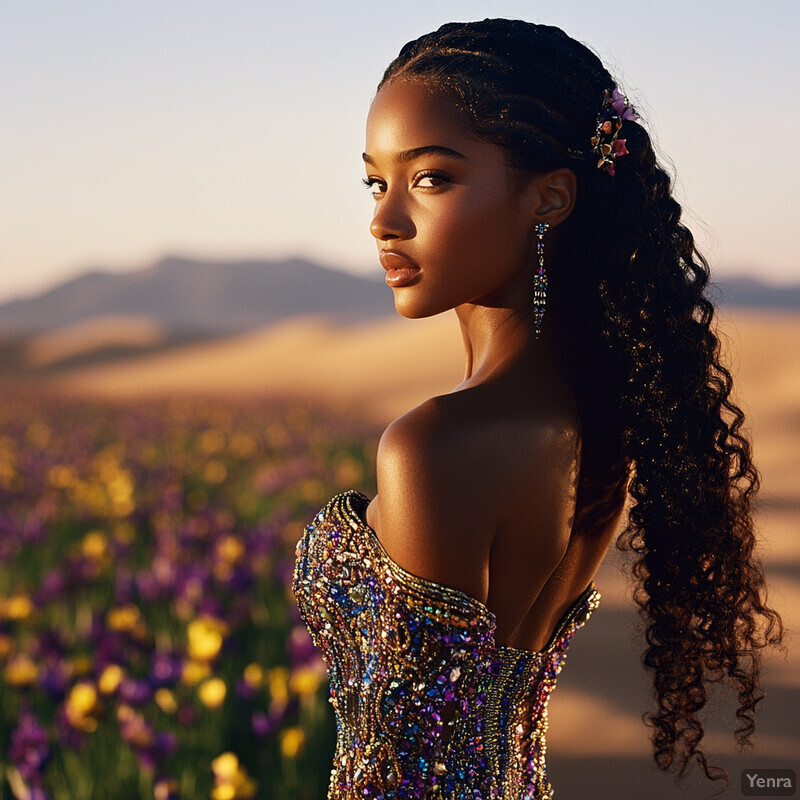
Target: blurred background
[(196, 350)]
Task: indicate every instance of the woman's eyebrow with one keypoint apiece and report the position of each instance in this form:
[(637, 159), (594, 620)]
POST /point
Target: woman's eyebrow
[(416, 152)]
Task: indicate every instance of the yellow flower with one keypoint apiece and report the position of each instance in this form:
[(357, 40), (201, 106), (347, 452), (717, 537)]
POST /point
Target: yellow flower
[(18, 607), (123, 618), (231, 781), (215, 472), (95, 546), (194, 671), (211, 441), (304, 681), (120, 493), (223, 791), (312, 489), (61, 476), (293, 741), (206, 635), (230, 549), (254, 676), (20, 671), (243, 446), (110, 679), (212, 692), (165, 700), (278, 682), (225, 767), (82, 707)]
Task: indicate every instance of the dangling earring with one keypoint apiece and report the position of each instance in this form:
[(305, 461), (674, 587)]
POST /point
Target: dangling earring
[(540, 280)]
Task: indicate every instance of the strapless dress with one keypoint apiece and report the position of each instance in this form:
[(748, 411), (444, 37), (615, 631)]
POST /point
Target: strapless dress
[(427, 705)]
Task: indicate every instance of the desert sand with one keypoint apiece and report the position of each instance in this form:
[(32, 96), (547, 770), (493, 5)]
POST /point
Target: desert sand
[(598, 746)]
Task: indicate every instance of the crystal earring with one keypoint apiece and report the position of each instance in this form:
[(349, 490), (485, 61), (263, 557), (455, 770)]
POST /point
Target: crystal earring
[(540, 280)]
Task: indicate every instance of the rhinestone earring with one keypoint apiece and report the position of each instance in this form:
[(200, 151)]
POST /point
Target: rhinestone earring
[(540, 280)]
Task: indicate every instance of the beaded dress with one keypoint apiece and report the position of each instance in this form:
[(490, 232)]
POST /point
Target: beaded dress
[(427, 705)]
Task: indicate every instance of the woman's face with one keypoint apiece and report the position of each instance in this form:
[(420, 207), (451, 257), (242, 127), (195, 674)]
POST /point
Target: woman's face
[(451, 222)]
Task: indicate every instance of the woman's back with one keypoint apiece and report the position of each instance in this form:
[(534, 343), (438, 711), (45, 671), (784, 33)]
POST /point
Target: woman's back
[(477, 490)]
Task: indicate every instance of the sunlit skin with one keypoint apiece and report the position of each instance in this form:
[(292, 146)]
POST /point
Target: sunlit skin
[(476, 488)]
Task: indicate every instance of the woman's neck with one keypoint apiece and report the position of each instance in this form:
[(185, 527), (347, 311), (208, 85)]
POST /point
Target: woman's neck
[(495, 339)]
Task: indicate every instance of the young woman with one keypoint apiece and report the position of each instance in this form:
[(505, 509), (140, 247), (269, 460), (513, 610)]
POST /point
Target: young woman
[(508, 172)]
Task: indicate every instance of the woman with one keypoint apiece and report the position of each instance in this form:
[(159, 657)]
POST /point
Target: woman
[(508, 172)]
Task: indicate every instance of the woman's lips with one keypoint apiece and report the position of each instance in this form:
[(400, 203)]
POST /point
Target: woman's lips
[(400, 271)]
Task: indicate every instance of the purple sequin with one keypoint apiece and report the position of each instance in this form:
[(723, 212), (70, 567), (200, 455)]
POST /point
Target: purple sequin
[(427, 704)]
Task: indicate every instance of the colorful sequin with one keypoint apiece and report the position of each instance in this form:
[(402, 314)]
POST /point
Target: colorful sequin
[(426, 704)]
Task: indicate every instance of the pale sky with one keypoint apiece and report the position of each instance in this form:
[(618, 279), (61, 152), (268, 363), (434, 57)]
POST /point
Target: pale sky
[(130, 129)]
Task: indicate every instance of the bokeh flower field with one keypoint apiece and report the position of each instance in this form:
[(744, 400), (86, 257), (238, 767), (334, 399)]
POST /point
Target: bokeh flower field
[(149, 642)]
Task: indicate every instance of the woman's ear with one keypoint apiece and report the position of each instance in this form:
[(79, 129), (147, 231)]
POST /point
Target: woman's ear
[(553, 196)]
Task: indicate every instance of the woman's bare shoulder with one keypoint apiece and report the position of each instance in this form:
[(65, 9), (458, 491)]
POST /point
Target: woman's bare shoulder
[(448, 475), (421, 514)]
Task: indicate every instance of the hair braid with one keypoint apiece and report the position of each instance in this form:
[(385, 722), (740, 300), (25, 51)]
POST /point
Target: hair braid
[(628, 314)]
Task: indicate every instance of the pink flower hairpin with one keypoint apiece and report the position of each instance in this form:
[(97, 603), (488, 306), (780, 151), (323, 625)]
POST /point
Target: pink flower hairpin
[(605, 143)]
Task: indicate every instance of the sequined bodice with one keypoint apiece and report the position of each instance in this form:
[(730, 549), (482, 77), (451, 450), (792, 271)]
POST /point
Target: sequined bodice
[(427, 704)]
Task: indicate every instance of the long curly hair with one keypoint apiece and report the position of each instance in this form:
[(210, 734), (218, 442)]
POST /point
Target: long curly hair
[(628, 314)]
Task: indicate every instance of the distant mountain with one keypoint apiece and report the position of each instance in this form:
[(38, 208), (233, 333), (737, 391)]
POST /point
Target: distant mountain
[(749, 293), (202, 298)]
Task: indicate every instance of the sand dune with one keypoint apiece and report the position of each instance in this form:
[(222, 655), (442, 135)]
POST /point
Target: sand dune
[(382, 368), (91, 335)]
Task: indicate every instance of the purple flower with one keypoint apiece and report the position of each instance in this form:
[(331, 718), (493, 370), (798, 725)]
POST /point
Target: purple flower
[(50, 644), (147, 585), (164, 744), (134, 692), (301, 648), (55, 678), (245, 690), (125, 587), (30, 748), (262, 724), (52, 587), (620, 104), (165, 669)]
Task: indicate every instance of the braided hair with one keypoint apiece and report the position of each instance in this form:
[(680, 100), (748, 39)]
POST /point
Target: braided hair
[(629, 318)]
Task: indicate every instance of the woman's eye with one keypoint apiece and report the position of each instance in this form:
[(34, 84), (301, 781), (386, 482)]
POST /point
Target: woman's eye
[(375, 186), (430, 180)]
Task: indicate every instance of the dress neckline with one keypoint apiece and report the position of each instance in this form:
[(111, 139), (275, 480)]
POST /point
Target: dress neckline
[(589, 596)]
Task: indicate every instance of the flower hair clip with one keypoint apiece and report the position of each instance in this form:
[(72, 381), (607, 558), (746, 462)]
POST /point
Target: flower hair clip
[(605, 143)]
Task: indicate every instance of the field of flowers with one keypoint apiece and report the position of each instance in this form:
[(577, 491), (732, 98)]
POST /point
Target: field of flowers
[(150, 648)]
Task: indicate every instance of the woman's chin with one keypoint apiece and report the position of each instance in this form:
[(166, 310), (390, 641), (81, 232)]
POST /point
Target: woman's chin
[(415, 310)]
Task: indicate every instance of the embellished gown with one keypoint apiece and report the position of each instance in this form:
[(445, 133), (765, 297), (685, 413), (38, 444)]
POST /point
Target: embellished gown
[(427, 705)]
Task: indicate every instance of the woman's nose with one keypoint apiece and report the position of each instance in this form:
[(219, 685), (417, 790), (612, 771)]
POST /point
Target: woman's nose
[(390, 221)]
